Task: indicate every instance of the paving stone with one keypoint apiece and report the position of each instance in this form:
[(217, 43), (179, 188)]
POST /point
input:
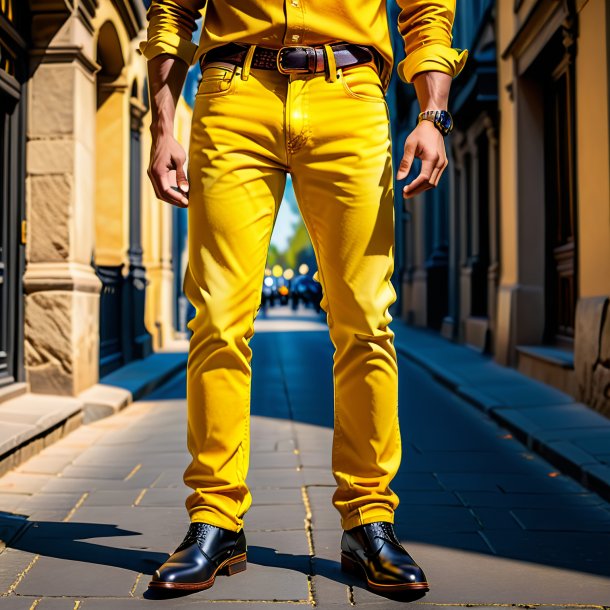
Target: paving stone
[(61, 502), (587, 550), (575, 415), (461, 443), (508, 483), (473, 461), (415, 481), (332, 588), (16, 603), (325, 517), (13, 562), (168, 478), (603, 457), (315, 459), (61, 485), (275, 477), (275, 459), (22, 483), (44, 464), (563, 519), (291, 517), (436, 518), (265, 496), (317, 476), (101, 471), (104, 497), (63, 603), (496, 519), (288, 584), (429, 498), (525, 500), (525, 392), (276, 547), (10, 501)]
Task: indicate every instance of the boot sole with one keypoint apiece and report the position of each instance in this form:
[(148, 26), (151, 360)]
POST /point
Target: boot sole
[(233, 565), (352, 566)]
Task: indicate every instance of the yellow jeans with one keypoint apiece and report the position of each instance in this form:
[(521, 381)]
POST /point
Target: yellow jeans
[(331, 132)]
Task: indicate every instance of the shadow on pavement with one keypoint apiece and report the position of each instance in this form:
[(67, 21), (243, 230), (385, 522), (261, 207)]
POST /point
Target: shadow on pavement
[(70, 541)]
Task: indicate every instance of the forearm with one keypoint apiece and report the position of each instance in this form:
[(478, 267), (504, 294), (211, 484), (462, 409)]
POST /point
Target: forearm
[(432, 89), (166, 76)]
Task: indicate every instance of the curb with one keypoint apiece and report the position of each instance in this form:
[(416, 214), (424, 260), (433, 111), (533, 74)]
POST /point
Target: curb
[(30, 422)]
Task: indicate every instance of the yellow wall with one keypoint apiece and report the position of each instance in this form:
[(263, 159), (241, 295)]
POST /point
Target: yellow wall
[(593, 162), (507, 147)]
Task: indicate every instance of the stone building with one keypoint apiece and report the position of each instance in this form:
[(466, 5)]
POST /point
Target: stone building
[(511, 253), (86, 273)]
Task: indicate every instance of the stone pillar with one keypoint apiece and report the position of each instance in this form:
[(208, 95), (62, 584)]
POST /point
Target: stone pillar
[(139, 339), (62, 290)]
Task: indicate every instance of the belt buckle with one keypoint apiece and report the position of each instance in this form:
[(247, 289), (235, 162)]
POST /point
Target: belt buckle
[(310, 52)]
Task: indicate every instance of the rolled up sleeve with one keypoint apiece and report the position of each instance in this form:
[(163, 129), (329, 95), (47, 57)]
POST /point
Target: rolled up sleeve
[(426, 28), (170, 30)]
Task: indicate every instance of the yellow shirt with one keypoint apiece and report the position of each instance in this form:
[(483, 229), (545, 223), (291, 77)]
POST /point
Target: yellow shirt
[(425, 26)]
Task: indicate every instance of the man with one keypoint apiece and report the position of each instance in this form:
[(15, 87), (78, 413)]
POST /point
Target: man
[(293, 86)]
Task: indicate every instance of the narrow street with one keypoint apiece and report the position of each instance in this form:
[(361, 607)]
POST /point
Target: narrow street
[(89, 518)]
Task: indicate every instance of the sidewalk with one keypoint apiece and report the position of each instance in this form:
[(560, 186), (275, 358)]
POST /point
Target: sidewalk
[(29, 422), (493, 524), (571, 435)]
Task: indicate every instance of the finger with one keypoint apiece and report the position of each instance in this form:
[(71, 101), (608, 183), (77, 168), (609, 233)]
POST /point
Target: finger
[(181, 179), (420, 189), (169, 194), (407, 161), (434, 176), (153, 181), (427, 167), (440, 173)]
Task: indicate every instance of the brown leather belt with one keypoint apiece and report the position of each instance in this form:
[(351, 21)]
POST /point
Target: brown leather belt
[(294, 59)]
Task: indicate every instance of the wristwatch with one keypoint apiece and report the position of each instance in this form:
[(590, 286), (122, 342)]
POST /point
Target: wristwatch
[(442, 120)]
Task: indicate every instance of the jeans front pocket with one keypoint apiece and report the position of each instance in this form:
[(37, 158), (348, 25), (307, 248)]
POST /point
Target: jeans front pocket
[(217, 78), (363, 83)]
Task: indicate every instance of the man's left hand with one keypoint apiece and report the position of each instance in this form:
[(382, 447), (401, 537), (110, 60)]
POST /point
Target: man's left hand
[(426, 143)]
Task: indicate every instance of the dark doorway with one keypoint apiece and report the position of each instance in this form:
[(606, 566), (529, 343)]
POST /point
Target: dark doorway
[(13, 20)]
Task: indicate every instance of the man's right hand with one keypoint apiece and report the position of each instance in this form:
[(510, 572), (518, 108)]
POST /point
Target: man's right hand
[(166, 170), (166, 76)]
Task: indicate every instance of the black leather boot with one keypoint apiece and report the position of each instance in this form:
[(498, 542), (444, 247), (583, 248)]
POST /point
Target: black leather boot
[(206, 551), (374, 552)]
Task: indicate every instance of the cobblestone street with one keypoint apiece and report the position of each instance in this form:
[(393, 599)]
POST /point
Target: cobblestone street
[(89, 519)]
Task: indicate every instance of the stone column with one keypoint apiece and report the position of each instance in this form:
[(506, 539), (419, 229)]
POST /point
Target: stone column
[(62, 291), (140, 341)]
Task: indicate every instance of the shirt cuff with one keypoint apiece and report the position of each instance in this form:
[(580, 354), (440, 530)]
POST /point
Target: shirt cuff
[(171, 44), (437, 57)]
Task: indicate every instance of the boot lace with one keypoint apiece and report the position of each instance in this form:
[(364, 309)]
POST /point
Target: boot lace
[(195, 535)]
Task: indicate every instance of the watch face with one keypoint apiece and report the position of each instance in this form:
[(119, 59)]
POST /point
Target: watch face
[(444, 120)]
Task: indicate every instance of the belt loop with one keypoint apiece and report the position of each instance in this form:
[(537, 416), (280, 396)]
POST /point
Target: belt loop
[(245, 72), (331, 75)]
